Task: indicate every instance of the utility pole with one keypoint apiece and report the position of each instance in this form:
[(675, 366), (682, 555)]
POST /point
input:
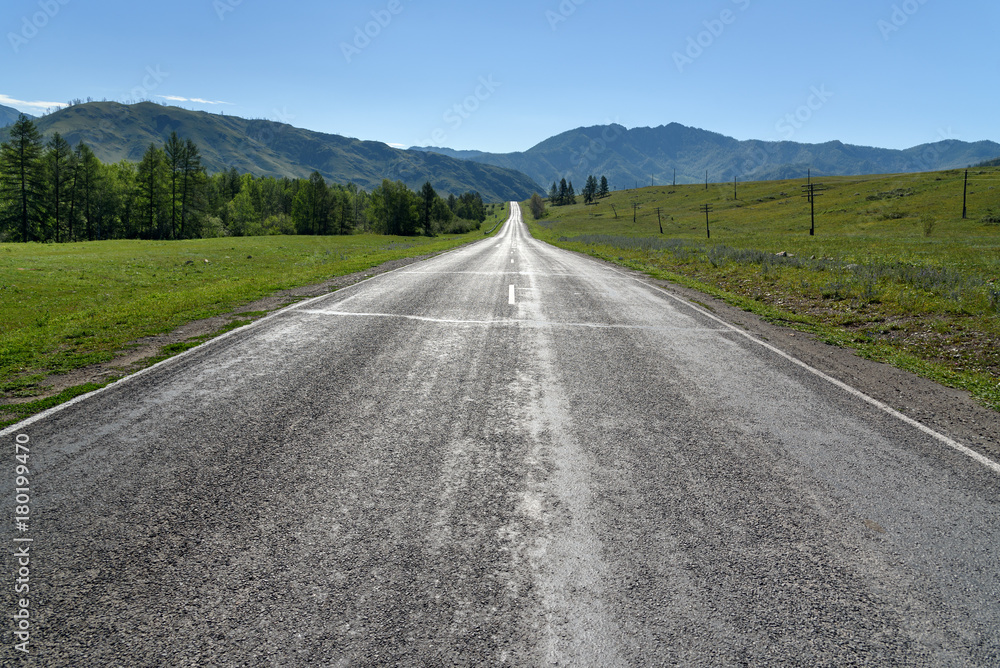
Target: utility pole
[(706, 179), (659, 220), (634, 207), (965, 197), (734, 189), (812, 192), (614, 211), (675, 177), (707, 209)]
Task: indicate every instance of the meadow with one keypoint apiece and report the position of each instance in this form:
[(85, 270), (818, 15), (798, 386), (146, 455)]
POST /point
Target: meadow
[(67, 306), (893, 270)]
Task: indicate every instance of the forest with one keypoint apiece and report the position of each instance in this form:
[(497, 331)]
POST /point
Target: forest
[(52, 192)]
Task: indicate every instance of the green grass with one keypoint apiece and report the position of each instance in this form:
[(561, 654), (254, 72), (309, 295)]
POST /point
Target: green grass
[(66, 306), (893, 270)]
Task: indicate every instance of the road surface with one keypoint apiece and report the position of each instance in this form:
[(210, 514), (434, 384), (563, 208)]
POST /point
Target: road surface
[(506, 455)]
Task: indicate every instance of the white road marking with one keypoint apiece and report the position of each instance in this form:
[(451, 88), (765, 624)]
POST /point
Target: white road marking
[(510, 294)]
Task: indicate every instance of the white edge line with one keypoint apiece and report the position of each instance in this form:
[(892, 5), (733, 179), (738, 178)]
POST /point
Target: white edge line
[(28, 421), (950, 442)]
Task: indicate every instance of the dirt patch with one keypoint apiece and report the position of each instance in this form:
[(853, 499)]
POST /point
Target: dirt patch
[(140, 352)]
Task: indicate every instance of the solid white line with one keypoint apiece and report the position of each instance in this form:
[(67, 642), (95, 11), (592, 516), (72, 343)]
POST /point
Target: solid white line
[(950, 442), (510, 295)]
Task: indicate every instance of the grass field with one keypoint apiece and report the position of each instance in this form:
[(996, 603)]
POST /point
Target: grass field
[(67, 306), (893, 270)]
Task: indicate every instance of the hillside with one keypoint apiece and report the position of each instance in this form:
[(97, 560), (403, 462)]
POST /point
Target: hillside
[(631, 157), (8, 115), (123, 132)]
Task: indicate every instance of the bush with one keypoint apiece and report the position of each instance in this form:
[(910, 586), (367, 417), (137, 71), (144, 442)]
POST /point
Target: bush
[(461, 226)]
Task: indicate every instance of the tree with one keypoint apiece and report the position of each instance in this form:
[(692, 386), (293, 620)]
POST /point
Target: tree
[(537, 206), (87, 177), (427, 199), (392, 209), (59, 168), (311, 209), (22, 179), (174, 153), (193, 186), (604, 191), (554, 194), (151, 191), (590, 190)]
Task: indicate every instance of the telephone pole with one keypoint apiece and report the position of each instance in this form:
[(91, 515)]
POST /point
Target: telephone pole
[(965, 197), (659, 220), (813, 190), (707, 209)]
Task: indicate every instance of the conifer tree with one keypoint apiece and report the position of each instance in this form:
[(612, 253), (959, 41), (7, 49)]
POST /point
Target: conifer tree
[(22, 181)]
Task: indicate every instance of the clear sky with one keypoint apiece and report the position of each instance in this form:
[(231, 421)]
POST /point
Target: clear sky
[(503, 76)]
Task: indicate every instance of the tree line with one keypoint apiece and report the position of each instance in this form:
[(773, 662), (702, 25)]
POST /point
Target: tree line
[(52, 192), (563, 193)]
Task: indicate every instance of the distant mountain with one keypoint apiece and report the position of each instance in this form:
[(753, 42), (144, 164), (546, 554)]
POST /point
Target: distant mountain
[(8, 115), (123, 132), (630, 157)]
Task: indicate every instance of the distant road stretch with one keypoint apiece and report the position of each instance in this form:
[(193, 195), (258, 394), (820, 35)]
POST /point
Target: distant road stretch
[(508, 454)]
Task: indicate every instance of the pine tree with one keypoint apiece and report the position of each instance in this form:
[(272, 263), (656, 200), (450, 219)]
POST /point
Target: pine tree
[(174, 152), (563, 196), (554, 194), (427, 198), (88, 175), (604, 191), (151, 189), (590, 190), (193, 185), (59, 167), (22, 180)]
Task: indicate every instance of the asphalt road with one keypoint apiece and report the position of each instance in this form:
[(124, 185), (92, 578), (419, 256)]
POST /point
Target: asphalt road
[(508, 454)]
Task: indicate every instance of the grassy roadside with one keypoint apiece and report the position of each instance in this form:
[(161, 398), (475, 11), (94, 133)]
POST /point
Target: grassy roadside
[(67, 306), (893, 270)]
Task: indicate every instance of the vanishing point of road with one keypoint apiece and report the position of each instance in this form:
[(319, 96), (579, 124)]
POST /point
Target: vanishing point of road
[(506, 455)]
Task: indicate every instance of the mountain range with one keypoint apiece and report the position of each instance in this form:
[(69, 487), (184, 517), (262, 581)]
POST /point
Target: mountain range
[(628, 157), (643, 155), (266, 148)]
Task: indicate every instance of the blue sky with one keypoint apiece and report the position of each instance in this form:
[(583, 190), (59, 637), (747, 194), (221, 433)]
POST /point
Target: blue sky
[(504, 76)]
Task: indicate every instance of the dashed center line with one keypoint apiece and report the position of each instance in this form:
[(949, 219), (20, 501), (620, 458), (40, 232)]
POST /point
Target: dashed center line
[(510, 294)]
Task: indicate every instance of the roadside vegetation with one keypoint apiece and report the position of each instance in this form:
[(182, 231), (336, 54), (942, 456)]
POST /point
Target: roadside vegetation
[(893, 270), (52, 192), (67, 306)]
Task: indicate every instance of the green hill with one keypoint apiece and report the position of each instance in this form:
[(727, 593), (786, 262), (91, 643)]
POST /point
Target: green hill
[(123, 132), (893, 269), (631, 157), (8, 115)]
